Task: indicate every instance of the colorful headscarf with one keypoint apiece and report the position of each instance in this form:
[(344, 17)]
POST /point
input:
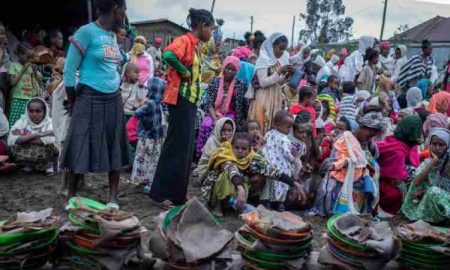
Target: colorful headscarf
[(331, 105), (158, 41), (435, 120), (221, 106), (225, 154), (440, 102), (409, 130), (374, 120), (441, 133), (138, 48), (414, 97), (424, 84), (330, 54)]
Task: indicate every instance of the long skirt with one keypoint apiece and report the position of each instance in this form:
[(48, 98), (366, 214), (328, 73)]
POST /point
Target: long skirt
[(205, 130), (96, 141), (172, 174), (267, 103), (145, 161), (18, 108)]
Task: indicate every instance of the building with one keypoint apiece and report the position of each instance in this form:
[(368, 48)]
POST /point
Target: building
[(229, 44), (436, 30), (162, 28)]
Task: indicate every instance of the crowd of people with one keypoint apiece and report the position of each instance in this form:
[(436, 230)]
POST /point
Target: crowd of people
[(260, 125)]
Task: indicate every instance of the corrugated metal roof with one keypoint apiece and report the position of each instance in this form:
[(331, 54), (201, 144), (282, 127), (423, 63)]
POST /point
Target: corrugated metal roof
[(158, 21), (436, 29)]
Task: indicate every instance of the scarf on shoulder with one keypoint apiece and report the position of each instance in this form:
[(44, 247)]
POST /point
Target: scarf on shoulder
[(225, 153)]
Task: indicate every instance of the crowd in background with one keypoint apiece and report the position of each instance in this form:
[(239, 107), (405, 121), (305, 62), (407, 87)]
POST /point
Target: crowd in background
[(327, 132)]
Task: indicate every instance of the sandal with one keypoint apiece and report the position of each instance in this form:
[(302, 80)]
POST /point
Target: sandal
[(114, 206), (165, 205)]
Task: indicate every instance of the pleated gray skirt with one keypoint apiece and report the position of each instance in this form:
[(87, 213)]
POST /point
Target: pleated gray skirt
[(96, 141)]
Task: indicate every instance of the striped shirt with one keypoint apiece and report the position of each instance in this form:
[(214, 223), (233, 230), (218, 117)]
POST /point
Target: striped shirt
[(414, 70), (347, 107)]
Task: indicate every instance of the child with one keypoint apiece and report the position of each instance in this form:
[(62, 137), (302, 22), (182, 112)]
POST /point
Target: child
[(279, 154), (223, 131), (332, 88), (235, 170), (32, 140), (133, 96), (367, 77), (5, 63), (347, 107), (306, 100), (254, 129), (24, 82), (151, 134)]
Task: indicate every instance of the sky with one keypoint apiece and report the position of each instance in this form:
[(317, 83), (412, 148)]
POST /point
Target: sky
[(277, 16)]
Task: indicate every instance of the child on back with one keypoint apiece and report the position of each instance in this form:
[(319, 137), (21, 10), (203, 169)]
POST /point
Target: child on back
[(278, 152), (151, 134), (32, 140), (24, 82)]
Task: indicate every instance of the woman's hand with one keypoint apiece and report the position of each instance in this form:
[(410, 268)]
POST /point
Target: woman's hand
[(286, 70), (241, 199), (434, 158), (300, 189)]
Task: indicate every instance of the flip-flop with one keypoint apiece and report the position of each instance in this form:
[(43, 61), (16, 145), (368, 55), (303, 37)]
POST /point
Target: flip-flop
[(114, 206), (165, 205)]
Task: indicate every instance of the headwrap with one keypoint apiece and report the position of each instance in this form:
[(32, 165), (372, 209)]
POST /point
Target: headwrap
[(374, 120), (330, 54), (267, 57), (408, 111), (213, 141), (424, 84), (364, 43), (440, 102), (138, 48), (225, 154), (331, 105), (385, 45), (435, 120), (414, 97), (158, 41), (320, 61), (343, 52), (409, 130), (242, 52), (441, 133), (221, 106)]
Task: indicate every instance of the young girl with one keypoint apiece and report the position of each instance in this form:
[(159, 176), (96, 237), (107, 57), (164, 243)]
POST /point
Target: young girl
[(32, 140), (367, 77), (258, 140), (133, 96), (233, 170), (23, 78), (142, 60), (223, 131), (150, 133)]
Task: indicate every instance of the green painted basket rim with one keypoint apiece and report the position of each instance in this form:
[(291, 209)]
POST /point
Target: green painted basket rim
[(341, 238), (47, 243), (89, 203), (81, 224), (262, 263), (10, 238), (81, 250)]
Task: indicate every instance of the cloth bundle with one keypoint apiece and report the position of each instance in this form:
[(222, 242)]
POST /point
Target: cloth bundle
[(28, 239), (274, 240), (99, 238), (189, 237), (357, 243), (424, 246)]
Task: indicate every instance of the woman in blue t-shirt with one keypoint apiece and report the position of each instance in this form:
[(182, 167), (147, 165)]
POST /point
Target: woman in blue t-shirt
[(96, 141)]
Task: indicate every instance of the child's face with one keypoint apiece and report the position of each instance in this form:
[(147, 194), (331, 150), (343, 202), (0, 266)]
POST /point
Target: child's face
[(121, 35), (309, 101), (26, 57), (226, 133), (333, 84), (132, 74), (301, 133), (253, 129), (241, 148), (36, 112), (286, 125)]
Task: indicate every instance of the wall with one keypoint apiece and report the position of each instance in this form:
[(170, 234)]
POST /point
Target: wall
[(166, 31)]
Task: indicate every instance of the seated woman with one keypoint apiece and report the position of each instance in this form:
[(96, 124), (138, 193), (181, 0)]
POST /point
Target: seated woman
[(434, 120), (32, 140), (428, 197), (399, 156), (236, 171), (224, 98), (223, 131), (358, 149)]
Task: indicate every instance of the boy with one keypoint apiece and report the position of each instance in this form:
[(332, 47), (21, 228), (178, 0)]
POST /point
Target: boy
[(306, 99), (332, 89), (278, 152), (347, 107)]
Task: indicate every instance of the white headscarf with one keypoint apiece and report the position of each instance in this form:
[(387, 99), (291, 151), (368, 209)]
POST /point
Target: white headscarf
[(299, 60), (267, 58), (414, 97), (365, 42)]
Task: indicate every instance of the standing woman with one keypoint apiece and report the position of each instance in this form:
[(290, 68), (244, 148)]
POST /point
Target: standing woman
[(183, 94), (96, 141), (271, 68)]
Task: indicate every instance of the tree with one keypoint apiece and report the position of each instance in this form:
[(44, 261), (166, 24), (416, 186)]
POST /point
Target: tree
[(401, 28), (325, 22)]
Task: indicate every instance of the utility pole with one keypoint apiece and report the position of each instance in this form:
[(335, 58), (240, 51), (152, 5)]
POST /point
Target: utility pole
[(293, 29), (212, 7), (384, 19), (251, 24)]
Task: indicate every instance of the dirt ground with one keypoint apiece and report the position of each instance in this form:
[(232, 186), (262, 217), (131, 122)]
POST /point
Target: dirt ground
[(25, 192)]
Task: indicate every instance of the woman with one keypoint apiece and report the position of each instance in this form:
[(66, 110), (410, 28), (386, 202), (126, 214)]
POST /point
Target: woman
[(96, 141), (324, 71), (300, 58), (414, 98), (440, 102), (400, 60), (142, 60), (399, 156), (359, 150), (418, 67), (355, 62), (271, 69), (224, 97), (367, 77), (182, 95), (333, 65), (426, 87), (428, 198)]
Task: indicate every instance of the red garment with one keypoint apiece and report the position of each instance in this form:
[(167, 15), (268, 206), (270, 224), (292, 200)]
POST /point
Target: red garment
[(184, 48), (298, 108), (327, 146), (425, 154), (394, 156), (340, 63), (132, 126)]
